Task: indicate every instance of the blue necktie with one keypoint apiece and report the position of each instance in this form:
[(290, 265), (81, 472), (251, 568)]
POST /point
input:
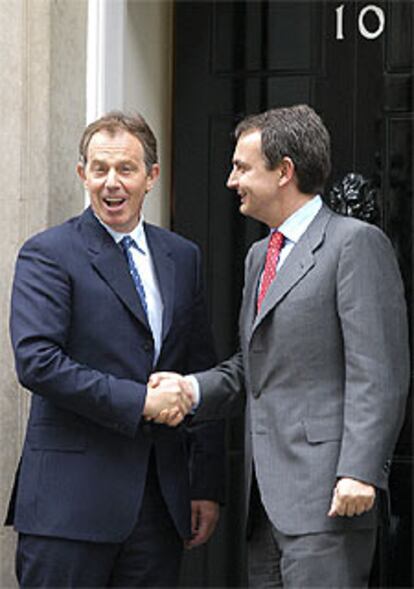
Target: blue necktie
[(127, 242)]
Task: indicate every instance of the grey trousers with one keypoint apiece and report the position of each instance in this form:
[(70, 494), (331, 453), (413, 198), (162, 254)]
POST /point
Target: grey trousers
[(329, 559)]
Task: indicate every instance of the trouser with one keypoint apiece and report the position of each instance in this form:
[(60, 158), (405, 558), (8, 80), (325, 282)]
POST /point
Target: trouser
[(329, 559), (149, 557)]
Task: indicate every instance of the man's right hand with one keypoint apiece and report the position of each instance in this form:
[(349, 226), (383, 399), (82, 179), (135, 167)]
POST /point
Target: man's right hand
[(169, 398)]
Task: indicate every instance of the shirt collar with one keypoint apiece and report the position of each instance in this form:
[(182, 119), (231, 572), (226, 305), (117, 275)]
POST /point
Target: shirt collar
[(295, 226), (137, 234)]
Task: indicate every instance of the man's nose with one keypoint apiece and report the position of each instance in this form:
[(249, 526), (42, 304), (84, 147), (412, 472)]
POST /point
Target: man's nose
[(112, 180), (231, 180)]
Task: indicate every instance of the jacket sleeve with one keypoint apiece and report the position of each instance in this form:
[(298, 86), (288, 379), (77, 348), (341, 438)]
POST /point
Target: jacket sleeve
[(222, 389), (40, 325), (373, 319)]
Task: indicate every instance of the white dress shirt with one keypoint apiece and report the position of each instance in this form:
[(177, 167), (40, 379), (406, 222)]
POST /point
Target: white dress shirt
[(145, 266), (295, 226)]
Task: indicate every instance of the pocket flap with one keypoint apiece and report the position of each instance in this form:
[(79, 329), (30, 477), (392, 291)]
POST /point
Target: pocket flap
[(323, 429), (55, 437)]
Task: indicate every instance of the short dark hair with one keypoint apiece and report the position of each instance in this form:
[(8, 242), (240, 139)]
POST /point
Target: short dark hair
[(296, 132), (115, 121)]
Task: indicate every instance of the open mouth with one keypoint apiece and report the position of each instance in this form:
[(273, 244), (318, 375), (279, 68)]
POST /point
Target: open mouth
[(114, 202)]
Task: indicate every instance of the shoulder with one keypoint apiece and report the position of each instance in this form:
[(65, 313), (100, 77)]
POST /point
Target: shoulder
[(351, 232), (171, 240), (346, 225), (56, 238), (362, 249), (257, 248)]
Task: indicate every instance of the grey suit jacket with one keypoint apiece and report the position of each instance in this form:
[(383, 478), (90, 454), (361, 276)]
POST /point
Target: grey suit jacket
[(323, 368)]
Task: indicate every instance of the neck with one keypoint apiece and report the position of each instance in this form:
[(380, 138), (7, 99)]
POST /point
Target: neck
[(287, 206)]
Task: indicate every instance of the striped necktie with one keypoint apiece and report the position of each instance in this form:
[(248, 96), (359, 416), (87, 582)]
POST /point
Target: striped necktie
[(127, 243)]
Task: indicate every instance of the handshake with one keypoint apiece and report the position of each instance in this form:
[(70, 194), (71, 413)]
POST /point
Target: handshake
[(170, 397)]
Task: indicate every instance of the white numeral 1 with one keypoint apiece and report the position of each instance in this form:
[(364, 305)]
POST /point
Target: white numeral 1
[(340, 22)]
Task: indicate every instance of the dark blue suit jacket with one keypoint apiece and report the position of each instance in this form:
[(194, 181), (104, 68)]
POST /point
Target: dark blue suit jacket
[(84, 349)]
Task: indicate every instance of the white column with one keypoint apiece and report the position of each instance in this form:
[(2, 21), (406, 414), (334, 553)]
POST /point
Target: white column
[(105, 57), (129, 68)]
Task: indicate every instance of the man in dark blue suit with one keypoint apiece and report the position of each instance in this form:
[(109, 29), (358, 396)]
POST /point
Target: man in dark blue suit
[(104, 495)]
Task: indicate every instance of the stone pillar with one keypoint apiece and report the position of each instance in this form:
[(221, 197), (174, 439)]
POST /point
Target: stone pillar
[(42, 109)]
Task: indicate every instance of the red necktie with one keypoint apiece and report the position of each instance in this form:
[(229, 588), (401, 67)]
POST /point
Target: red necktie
[(273, 250)]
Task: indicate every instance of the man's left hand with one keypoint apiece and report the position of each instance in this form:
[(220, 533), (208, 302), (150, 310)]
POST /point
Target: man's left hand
[(204, 517), (351, 497)]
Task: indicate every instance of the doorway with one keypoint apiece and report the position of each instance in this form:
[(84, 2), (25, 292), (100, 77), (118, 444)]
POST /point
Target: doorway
[(353, 62)]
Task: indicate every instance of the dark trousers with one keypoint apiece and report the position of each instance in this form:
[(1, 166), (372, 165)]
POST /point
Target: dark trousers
[(149, 557), (328, 559)]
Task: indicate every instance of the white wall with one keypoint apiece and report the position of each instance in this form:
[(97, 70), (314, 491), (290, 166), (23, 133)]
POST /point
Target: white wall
[(42, 107)]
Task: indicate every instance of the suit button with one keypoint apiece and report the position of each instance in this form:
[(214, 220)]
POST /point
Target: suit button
[(148, 346), (387, 466), (146, 428)]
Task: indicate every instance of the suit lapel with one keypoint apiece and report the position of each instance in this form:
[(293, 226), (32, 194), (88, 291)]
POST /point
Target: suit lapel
[(165, 271), (109, 262), (296, 266), (253, 272)]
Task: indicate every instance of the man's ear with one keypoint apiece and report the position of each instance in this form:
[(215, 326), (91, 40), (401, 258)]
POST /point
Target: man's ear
[(287, 171), (80, 170), (152, 176)]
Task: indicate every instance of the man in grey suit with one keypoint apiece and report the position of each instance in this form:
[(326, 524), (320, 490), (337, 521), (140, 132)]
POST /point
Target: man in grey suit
[(323, 367)]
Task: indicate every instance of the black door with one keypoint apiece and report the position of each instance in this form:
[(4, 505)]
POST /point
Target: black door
[(352, 61)]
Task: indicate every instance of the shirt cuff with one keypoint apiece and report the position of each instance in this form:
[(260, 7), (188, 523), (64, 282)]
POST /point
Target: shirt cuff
[(196, 391)]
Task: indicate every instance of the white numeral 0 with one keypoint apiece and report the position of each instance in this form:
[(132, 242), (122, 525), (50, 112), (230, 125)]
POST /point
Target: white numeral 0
[(381, 22)]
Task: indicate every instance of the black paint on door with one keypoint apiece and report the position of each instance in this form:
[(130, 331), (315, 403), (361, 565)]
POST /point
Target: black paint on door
[(241, 57)]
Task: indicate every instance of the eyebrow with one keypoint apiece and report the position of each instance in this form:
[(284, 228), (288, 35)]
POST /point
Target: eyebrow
[(98, 160), (238, 162)]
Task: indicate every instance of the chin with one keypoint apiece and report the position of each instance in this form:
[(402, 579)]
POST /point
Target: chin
[(243, 209)]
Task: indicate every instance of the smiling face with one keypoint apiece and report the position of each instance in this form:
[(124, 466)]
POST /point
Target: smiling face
[(116, 178), (256, 185)]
